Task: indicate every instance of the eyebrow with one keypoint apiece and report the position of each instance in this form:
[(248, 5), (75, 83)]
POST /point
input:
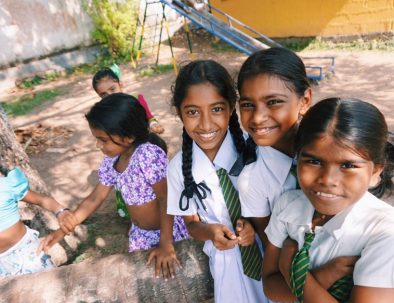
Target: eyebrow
[(304, 154), (246, 98), (212, 105)]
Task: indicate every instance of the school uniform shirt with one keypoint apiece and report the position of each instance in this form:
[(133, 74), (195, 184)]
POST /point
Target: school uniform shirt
[(230, 284), (262, 182), (364, 229)]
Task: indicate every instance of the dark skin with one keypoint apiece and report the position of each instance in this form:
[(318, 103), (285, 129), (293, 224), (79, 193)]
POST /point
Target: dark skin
[(276, 272), (149, 216)]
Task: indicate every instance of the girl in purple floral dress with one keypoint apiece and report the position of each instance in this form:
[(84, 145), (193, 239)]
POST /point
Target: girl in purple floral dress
[(135, 164)]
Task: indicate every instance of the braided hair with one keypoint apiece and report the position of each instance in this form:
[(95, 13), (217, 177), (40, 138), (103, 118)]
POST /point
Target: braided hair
[(194, 73)]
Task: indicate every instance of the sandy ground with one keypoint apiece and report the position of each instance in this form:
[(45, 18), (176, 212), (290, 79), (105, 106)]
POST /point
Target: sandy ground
[(71, 171)]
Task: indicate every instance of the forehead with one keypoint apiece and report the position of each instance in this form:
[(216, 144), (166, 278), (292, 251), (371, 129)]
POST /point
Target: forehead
[(98, 133), (328, 148), (105, 83), (266, 84), (204, 94)]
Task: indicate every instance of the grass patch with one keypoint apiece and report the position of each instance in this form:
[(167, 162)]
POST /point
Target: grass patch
[(155, 70), (299, 44), (223, 47), (26, 103)]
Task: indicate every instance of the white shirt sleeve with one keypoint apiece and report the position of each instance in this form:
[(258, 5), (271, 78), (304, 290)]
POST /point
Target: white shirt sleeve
[(175, 187), (276, 230), (252, 194), (375, 268)]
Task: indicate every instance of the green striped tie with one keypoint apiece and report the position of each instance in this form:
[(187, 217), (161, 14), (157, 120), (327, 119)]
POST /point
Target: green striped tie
[(251, 256), (299, 268), (293, 171)]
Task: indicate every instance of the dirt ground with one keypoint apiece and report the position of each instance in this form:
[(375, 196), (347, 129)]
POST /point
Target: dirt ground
[(69, 167)]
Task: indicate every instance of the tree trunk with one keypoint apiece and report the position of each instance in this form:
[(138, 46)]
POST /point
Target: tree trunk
[(117, 278), (12, 154)]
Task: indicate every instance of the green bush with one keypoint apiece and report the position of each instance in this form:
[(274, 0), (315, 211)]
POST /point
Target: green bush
[(114, 24)]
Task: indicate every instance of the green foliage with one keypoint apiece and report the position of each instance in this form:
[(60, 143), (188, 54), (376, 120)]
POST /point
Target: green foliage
[(299, 44), (28, 102), (156, 69), (114, 24), (38, 79)]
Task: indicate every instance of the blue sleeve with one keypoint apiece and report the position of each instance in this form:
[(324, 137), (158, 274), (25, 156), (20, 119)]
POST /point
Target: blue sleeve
[(18, 184)]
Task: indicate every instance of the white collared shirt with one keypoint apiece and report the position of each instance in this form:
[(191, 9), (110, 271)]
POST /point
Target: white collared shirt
[(364, 229), (203, 170), (262, 182)]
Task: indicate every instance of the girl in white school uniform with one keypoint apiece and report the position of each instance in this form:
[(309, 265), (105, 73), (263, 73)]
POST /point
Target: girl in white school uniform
[(205, 97), (342, 153), (274, 94)]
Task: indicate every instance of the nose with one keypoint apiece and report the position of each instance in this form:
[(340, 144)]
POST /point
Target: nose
[(206, 121), (99, 144), (329, 176), (260, 114)]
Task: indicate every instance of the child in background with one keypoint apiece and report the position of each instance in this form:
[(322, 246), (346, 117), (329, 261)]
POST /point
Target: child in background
[(274, 94), (342, 152), (205, 97), (19, 243), (135, 164), (107, 81)]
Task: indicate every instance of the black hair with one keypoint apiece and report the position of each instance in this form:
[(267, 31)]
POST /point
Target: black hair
[(122, 115), (355, 124), (194, 73), (105, 72), (3, 169), (275, 61)]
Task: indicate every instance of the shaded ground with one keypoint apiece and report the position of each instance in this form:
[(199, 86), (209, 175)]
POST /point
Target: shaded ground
[(69, 167)]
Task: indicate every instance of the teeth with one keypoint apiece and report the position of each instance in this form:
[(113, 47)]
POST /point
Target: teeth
[(208, 135), (326, 195), (263, 130)]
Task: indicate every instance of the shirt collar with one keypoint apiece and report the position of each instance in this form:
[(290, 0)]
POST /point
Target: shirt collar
[(225, 158), (337, 225), (277, 162)]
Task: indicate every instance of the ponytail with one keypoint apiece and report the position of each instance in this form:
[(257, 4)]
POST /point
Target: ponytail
[(386, 186), (157, 140)]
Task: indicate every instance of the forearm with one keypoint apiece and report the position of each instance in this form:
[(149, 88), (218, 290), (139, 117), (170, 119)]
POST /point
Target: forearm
[(315, 293), (199, 231), (276, 288), (166, 224), (51, 204)]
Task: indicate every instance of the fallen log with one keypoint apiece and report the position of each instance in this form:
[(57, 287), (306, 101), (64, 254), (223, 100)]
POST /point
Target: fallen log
[(117, 278)]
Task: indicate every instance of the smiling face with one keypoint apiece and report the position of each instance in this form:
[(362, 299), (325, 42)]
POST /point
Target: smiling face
[(334, 177), (270, 111), (205, 116), (111, 146), (107, 86)]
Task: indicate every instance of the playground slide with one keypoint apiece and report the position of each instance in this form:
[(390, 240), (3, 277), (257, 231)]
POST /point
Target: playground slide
[(225, 31), (242, 36)]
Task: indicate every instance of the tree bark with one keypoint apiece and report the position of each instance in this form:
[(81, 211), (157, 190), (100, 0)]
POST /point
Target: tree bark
[(117, 278), (12, 154)]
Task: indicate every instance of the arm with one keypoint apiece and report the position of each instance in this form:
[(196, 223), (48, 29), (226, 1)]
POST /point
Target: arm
[(85, 208), (221, 236), (52, 205), (275, 286), (362, 294), (260, 224), (165, 253)]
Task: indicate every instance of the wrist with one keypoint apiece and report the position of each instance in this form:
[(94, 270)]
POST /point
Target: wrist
[(60, 211)]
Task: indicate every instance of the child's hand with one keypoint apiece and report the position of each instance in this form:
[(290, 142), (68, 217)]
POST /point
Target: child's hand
[(222, 237), (67, 221), (50, 240), (287, 253), (165, 260), (334, 270), (245, 232)]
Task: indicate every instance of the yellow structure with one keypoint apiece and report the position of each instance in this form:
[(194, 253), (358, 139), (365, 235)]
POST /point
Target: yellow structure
[(303, 18)]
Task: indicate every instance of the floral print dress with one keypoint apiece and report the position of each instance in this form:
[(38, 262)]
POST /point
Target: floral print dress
[(147, 166)]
